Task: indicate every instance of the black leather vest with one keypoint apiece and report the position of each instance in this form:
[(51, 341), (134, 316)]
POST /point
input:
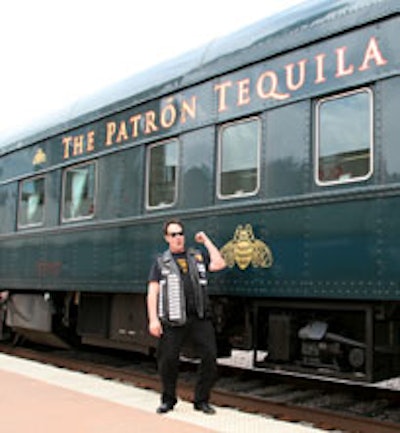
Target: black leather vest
[(172, 301)]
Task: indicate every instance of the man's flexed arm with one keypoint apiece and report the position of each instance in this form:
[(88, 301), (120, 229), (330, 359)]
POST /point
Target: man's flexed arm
[(217, 262)]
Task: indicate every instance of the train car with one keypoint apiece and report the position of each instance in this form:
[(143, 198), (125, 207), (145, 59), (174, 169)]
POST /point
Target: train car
[(280, 141)]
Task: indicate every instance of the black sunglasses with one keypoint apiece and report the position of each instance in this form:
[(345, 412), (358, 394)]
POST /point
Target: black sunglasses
[(174, 234)]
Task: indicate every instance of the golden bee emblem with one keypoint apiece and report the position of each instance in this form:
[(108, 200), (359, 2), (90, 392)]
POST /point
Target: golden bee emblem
[(40, 157), (244, 249)]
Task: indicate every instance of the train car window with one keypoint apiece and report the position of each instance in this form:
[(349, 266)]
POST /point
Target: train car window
[(31, 202), (344, 138), (79, 190), (239, 159), (162, 174)]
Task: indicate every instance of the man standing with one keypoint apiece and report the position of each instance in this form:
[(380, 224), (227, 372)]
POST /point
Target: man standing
[(178, 311)]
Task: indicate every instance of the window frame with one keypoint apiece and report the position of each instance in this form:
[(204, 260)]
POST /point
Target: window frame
[(68, 169), (28, 225), (344, 180), (238, 194), (177, 176)]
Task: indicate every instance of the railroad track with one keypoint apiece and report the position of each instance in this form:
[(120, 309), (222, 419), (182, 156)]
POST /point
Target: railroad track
[(290, 399)]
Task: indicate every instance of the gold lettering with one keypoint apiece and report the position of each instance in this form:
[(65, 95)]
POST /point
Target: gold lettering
[(221, 91), (150, 125), (122, 132), (66, 141), (275, 84), (111, 129), (290, 73), (168, 114), (78, 145), (243, 92), (134, 121), (372, 53), (273, 89), (320, 78), (342, 70), (90, 141), (188, 109)]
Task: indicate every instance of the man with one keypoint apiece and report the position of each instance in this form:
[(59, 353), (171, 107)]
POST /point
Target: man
[(178, 311)]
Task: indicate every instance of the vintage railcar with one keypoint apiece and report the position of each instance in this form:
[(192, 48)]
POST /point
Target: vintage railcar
[(280, 140)]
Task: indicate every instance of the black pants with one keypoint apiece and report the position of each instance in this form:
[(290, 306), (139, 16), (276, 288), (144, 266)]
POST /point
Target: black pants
[(200, 334)]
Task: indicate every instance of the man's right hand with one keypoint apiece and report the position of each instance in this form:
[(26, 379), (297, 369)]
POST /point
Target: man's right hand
[(155, 328)]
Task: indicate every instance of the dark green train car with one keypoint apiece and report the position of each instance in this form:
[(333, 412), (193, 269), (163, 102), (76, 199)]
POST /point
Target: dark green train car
[(280, 141)]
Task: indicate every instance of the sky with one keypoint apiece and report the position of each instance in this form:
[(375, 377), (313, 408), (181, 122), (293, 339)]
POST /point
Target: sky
[(54, 52)]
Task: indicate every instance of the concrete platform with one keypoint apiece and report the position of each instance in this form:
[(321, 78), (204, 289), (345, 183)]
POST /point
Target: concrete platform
[(39, 398)]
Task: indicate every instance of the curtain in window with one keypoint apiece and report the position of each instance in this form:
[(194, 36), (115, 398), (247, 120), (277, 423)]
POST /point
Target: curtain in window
[(32, 208), (77, 194)]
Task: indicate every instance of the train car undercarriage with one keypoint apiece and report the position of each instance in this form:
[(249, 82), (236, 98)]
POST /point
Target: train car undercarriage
[(337, 339)]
